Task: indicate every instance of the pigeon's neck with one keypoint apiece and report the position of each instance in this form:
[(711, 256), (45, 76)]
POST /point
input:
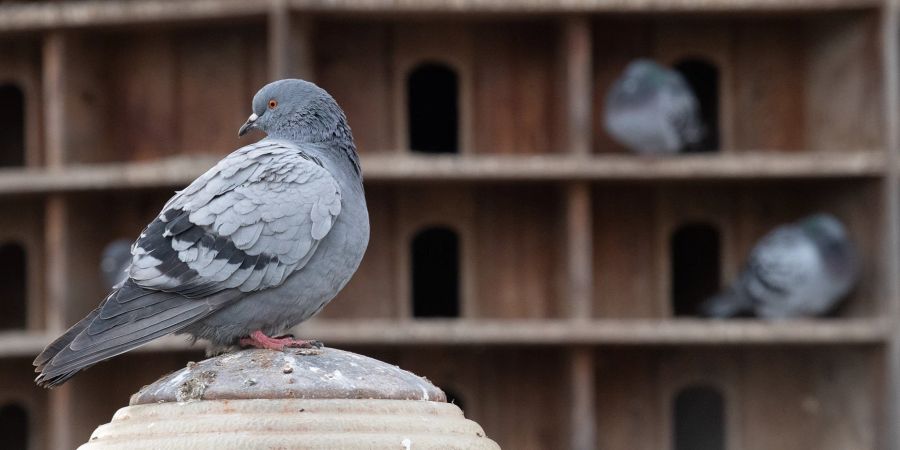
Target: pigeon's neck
[(326, 130)]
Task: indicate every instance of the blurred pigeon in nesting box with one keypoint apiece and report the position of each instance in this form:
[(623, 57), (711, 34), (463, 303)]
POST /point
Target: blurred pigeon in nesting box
[(797, 270), (651, 109), (114, 262), (256, 245)]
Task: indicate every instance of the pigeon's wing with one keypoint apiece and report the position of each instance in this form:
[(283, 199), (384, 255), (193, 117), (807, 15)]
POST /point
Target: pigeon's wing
[(681, 109), (782, 263), (247, 224)]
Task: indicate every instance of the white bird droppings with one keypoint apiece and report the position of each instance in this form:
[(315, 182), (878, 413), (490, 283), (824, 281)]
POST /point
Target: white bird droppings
[(406, 443)]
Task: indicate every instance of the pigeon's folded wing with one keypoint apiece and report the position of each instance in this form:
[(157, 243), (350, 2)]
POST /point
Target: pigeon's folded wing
[(779, 264), (246, 224)]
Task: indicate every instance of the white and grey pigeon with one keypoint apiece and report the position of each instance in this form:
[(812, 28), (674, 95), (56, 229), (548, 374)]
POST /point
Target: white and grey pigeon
[(115, 261), (254, 246), (797, 270), (651, 109)]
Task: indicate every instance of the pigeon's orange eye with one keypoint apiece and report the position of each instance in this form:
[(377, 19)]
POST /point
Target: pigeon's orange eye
[(273, 103)]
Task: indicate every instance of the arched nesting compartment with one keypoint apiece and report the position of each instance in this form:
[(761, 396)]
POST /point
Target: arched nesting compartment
[(694, 266), (432, 95), (13, 286), (703, 78), (435, 273), (698, 421), (12, 130)]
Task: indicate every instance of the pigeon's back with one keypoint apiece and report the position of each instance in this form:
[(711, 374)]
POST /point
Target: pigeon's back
[(789, 275)]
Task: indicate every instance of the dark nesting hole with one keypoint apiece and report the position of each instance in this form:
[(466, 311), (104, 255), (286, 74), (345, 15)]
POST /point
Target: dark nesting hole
[(433, 109), (14, 427), (435, 273), (703, 78), (12, 286), (695, 269), (12, 126), (699, 419)]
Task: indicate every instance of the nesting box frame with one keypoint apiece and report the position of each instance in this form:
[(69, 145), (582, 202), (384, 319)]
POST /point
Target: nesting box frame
[(567, 334)]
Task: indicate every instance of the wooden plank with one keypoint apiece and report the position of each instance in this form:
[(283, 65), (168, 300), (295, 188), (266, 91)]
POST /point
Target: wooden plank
[(548, 332), (516, 88), (582, 399), (519, 252), (624, 251), (352, 61), (767, 83), (54, 79), (844, 95), (48, 15), (179, 171), (889, 435), (54, 15), (579, 85), (579, 251), (279, 27)]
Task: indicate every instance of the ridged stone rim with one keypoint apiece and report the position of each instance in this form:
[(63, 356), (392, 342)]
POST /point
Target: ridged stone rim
[(291, 423)]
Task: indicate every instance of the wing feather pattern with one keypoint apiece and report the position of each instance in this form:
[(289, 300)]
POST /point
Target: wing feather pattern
[(245, 225)]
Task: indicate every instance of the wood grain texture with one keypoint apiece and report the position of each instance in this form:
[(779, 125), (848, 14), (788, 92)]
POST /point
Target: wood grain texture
[(353, 62), (808, 396), (514, 93)]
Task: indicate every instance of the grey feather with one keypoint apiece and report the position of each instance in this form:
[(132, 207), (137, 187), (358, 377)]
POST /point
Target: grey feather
[(651, 109), (261, 241), (797, 270)]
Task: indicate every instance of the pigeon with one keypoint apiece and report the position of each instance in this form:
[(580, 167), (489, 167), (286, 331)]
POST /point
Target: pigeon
[(257, 244), (115, 261), (799, 269), (651, 109)]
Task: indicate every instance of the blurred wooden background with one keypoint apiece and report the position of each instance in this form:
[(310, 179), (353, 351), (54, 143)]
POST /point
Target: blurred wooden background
[(519, 258)]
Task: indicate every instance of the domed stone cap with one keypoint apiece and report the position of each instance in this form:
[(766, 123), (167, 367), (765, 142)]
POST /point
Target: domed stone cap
[(297, 399), (326, 373)]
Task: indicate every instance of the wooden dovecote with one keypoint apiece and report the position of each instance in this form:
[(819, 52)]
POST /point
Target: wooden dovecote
[(573, 325)]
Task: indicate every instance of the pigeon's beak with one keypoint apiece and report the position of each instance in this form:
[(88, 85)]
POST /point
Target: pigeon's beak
[(248, 125)]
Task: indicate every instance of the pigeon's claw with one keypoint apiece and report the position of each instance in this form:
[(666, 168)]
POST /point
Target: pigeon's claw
[(258, 339)]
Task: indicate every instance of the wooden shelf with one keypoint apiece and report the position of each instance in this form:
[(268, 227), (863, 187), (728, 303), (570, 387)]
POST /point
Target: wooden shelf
[(626, 167), (555, 332), (177, 172), (33, 16)]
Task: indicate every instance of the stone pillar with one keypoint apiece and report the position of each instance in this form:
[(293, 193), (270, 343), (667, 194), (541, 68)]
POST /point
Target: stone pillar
[(296, 399)]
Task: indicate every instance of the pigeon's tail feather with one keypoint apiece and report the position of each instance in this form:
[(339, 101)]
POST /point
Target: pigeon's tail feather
[(728, 303), (61, 342), (130, 317)]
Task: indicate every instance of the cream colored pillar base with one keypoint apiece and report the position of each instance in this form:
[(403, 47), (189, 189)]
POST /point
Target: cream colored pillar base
[(291, 424)]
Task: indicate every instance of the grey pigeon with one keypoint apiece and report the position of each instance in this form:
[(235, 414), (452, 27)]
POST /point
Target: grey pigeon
[(254, 246), (797, 270), (651, 109), (115, 261)]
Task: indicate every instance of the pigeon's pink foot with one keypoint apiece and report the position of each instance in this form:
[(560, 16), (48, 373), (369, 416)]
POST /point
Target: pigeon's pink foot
[(258, 339)]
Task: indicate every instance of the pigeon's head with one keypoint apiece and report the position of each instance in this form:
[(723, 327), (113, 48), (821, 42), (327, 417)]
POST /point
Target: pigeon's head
[(834, 244), (639, 83), (824, 228), (297, 110)]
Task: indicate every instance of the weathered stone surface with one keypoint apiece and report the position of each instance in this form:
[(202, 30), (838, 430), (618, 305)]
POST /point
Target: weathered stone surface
[(294, 373), (296, 399)]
